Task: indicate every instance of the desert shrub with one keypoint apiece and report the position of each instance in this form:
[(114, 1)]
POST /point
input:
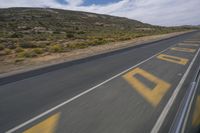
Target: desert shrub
[(42, 38), (78, 45), (139, 35), (1, 47), (16, 35), (5, 52), (81, 45), (110, 39), (76, 28), (124, 38), (98, 42), (10, 45), (38, 50), (56, 32), (27, 45), (19, 60), (22, 54), (81, 32), (56, 48), (19, 49), (69, 35), (100, 38), (32, 53), (27, 54)]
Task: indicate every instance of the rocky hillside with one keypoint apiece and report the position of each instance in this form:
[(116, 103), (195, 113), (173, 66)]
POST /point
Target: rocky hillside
[(29, 32)]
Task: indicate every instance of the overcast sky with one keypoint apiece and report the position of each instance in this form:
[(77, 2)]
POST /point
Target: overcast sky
[(158, 12)]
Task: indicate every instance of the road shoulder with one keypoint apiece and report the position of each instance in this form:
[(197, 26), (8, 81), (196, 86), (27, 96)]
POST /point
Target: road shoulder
[(49, 60)]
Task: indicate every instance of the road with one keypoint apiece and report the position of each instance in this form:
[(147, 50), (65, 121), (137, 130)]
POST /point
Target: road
[(138, 89)]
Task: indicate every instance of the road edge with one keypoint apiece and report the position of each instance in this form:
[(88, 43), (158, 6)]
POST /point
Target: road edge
[(22, 74)]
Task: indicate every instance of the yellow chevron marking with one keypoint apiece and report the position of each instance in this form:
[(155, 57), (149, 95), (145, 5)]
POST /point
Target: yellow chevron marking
[(154, 95), (173, 59), (46, 126), (188, 44), (183, 49)]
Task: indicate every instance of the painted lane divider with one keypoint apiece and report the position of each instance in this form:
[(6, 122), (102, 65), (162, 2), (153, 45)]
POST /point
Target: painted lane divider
[(190, 50), (173, 59), (154, 95)]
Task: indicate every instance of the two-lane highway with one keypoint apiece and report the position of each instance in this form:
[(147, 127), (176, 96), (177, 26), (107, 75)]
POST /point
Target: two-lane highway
[(130, 90)]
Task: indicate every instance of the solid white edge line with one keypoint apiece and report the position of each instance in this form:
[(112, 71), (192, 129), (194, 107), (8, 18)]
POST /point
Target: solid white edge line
[(79, 95), (169, 104)]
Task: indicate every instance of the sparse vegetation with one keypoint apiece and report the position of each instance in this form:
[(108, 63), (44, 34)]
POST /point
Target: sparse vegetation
[(56, 48), (19, 50), (30, 32), (27, 54), (38, 50)]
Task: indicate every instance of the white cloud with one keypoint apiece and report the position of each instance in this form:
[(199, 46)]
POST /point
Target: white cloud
[(160, 12), (74, 2)]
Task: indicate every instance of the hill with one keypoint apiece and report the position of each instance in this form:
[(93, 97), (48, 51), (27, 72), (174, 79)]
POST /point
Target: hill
[(29, 32)]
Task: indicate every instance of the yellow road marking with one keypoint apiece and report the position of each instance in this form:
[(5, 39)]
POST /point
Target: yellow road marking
[(190, 44), (196, 115), (192, 41), (154, 95), (183, 49), (173, 59), (46, 126)]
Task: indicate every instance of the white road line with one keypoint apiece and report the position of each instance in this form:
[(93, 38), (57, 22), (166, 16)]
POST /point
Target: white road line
[(79, 95), (169, 104)]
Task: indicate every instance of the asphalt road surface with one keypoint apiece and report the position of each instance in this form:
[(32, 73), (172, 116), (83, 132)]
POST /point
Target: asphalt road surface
[(134, 90)]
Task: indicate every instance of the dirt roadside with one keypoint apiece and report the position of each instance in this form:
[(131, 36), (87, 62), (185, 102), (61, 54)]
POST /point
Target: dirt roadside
[(10, 68)]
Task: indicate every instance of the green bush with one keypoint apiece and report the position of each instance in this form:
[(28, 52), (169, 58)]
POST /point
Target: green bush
[(56, 48)]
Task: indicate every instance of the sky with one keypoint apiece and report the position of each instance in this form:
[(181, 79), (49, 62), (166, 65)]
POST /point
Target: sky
[(157, 12)]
